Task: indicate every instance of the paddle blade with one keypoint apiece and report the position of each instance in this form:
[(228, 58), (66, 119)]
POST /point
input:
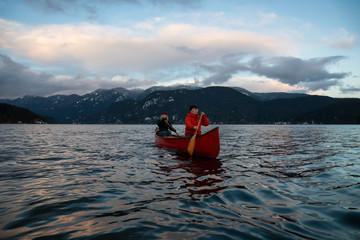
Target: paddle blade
[(191, 146)]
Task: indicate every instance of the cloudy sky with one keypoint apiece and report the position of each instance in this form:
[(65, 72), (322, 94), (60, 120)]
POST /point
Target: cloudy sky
[(50, 47)]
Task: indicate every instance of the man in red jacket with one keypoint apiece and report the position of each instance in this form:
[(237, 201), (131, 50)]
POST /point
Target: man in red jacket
[(192, 120)]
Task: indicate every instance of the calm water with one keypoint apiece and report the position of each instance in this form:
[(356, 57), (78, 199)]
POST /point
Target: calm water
[(112, 182)]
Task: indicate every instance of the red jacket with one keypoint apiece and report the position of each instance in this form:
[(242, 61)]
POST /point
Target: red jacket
[(192, 120)]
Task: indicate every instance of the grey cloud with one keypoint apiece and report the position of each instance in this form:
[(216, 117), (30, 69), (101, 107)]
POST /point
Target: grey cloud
[(292, 70), (184, 49), (350, 89), (53, 6), (17, 80), (311, 73), (229, 65), (92, 8), (324, 84), (129, 83), (73, 7), (182, 3)]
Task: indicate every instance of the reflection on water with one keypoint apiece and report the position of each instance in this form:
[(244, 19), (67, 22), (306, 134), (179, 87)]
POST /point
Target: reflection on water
[(199, 176), (113, 182)]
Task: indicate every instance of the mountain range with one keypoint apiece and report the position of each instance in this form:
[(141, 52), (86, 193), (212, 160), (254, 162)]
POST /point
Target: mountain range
[(223, 105)]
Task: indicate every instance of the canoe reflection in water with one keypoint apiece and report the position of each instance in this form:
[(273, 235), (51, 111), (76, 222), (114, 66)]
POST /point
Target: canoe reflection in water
[(199, 176)]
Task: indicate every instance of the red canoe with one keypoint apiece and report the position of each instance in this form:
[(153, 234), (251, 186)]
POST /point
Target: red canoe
[(207, 145)]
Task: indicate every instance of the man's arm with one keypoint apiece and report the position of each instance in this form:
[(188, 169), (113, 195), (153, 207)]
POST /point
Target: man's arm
[(204, 120)]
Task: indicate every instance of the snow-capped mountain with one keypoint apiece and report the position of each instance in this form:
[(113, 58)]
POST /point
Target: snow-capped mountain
[(76, 109), (221, 104), (73, 108)]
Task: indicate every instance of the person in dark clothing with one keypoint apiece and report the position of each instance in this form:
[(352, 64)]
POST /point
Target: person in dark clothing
[(164, 125)]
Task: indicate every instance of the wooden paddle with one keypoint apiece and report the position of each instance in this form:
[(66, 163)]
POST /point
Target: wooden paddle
[(191, 146), (171, 126)]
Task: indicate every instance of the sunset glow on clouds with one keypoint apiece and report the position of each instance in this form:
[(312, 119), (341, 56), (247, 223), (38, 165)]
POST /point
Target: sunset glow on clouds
[(176, 42), (96, 46)]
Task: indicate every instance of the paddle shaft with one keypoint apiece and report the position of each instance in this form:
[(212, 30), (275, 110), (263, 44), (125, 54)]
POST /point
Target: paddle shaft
[(191, 146), (171, 126)]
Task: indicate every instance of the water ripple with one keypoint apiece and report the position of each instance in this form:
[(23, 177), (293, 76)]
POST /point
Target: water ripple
[(112, 182)]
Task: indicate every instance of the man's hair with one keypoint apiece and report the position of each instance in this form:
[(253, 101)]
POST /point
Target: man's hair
[(191, 107)]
